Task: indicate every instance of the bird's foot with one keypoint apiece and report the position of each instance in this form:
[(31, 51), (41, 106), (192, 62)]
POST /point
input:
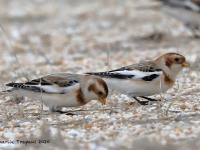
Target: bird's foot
[(150, 99), (66, 113), (141, 102)]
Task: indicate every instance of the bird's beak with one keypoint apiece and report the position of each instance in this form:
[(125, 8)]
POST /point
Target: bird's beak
[(185, 64), (102, 101)]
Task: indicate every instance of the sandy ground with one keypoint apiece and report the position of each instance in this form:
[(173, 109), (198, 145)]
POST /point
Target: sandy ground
[(42, 37)]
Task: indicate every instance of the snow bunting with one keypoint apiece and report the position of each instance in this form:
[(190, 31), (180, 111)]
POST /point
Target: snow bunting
[(145, 78), (62, 90)]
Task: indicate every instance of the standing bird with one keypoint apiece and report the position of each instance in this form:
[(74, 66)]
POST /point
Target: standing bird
[(62, 90), (145, 78)]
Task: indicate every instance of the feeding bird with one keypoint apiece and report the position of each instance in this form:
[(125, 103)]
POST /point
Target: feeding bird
[(62, 90)]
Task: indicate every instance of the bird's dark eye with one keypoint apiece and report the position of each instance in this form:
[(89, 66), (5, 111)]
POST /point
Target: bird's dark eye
[(176, 59), (100, 93)]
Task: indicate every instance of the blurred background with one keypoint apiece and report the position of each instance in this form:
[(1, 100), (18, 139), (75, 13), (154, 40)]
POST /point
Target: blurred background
[(77, 36), (41, 37)]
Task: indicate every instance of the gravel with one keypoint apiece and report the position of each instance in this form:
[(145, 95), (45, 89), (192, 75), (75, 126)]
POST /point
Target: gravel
[(42, 37)]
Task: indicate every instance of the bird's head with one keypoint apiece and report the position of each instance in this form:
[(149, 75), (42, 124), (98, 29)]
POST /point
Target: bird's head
[(172, 63), (95, 88)]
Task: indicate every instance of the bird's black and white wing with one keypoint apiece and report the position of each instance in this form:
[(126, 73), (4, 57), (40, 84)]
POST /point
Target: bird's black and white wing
[(146, 71), (55, 83)]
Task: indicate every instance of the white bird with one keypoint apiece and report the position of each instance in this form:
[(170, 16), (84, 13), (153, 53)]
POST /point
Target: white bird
[(62, 90), (145, 78)]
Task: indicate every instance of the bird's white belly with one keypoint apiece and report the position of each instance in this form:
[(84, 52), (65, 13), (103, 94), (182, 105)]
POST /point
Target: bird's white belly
[(136, 88), (62, 100), (50, 99)]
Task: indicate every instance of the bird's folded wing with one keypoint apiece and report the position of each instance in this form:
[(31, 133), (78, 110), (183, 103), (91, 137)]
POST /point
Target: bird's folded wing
[(146, 71), (55, 83)]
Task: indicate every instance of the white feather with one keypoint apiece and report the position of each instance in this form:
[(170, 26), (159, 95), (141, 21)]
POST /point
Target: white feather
[(137, 73), (54, 88), (137, 87), (54, 98), (50, 88)]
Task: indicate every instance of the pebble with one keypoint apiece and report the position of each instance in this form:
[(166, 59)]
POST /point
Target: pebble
[(183, 106), (71, 41)]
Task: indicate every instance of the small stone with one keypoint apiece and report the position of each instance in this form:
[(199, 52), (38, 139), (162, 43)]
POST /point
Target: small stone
[(19, 135), (195, 107), (113, 133), (10, 124), (135, 113), (88, 126), (96, 116), (16, 124), (161, 116), (131, 103), (183, 106)]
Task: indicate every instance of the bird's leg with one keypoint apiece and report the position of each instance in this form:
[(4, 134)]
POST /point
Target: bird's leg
[(141, 102), (150, 99), (70, 114), (58, 109), (66, 113)]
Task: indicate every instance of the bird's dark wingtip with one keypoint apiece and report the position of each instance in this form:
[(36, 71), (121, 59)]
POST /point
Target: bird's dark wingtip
[(93, 73), (89, 73), (96, 73), (25, 87), (15, 85), (10, 84)]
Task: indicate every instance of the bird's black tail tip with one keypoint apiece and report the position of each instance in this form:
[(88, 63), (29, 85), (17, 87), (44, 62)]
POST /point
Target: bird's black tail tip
[(89, 73), (10, 84), (95, 73)]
